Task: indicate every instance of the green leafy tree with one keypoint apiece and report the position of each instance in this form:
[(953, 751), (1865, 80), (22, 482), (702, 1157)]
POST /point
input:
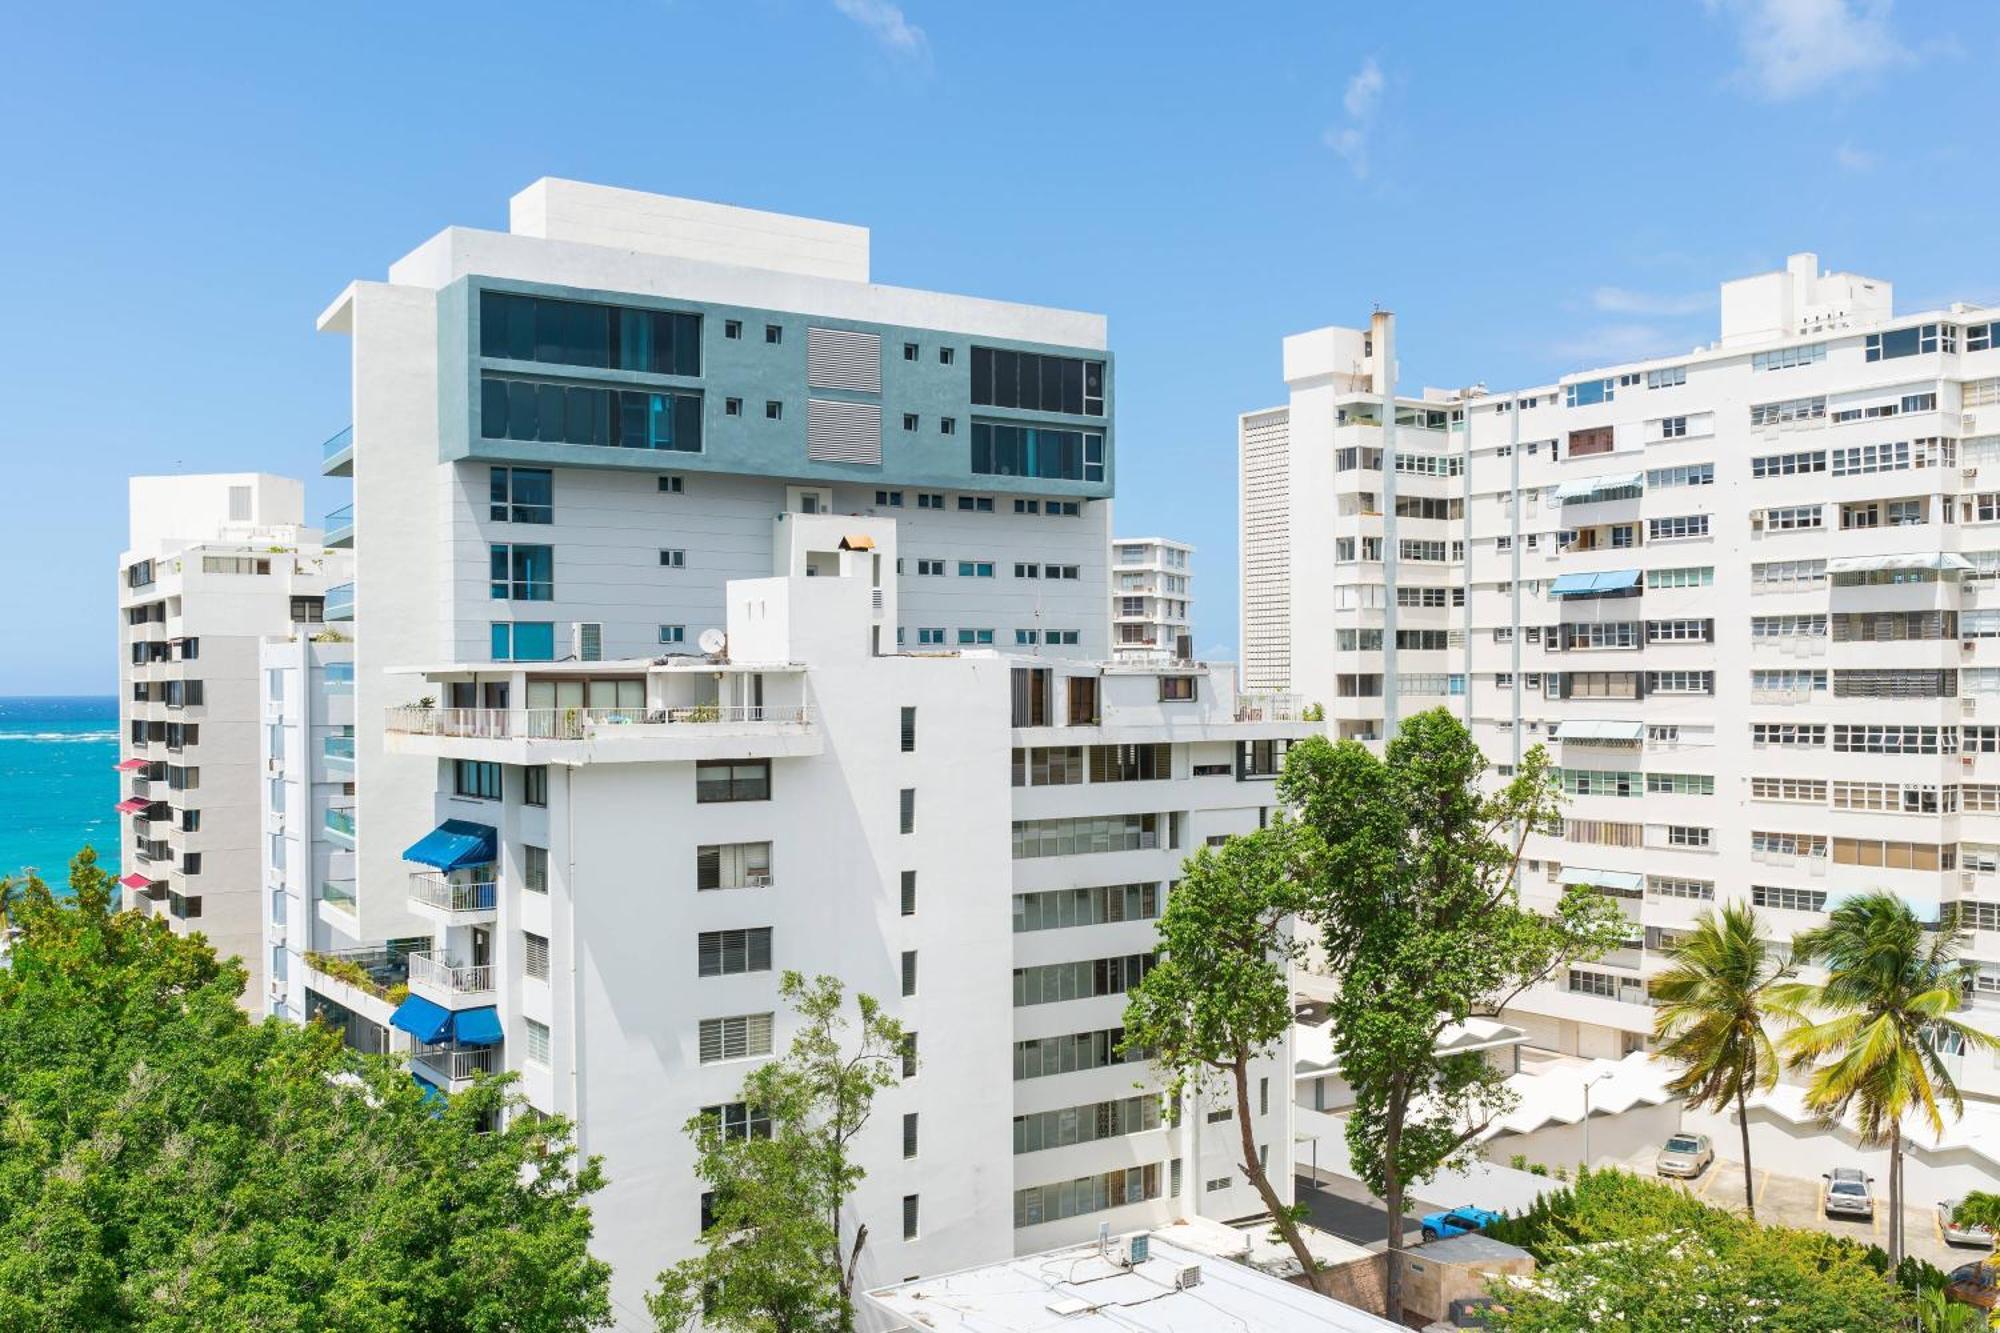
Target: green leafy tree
[(167, 1164), (1714, 1009), (1980, 1208), (1220, 997), (1420, 923), (1620, 1254), (774, 1257), (1871, 1038)]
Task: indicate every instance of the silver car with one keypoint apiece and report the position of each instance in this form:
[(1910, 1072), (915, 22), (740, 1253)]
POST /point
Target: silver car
[(1846, 1193), (1961, 1233), (1686, 1156)]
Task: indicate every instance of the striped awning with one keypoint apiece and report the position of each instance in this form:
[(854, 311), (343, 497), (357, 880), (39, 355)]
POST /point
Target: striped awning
[(132, 765), (1577, 492), (1581, 585), (132, 805), (1629, 881), (1868, 564), (1592, 729)]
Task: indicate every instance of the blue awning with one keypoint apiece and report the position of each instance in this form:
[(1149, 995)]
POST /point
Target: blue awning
[(425, 1021), (432, 1093), (1579, 585), (477, 1027), (454, 844)]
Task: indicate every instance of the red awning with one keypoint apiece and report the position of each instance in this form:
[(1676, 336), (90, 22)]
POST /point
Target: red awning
[(133, 765), (135, 880), (132, 805)]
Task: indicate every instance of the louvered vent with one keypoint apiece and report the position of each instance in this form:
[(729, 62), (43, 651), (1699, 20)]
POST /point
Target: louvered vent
[(843, 432), (842, 359)]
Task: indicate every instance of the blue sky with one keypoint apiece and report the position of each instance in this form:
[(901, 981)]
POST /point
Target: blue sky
[(1532, 188)]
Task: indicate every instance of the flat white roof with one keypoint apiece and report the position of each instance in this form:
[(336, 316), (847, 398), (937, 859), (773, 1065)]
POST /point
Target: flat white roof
[(1075, 1291)]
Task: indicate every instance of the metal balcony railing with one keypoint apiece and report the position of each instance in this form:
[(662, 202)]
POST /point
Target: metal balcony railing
[(431, 889), (579, 723), (427, 969), (457, 1064)]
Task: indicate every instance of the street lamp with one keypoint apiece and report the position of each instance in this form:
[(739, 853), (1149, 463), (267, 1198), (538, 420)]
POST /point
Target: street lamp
[(1596, 1078)]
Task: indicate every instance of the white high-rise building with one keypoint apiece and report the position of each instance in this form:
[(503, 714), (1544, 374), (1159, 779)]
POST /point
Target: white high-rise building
[(1744, 595), (1151, 592), (725, 613), (213, 565)]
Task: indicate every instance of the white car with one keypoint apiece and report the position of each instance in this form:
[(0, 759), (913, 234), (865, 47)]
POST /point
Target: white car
[(1686, 1156), (1847, 1194), (1958, 1233)]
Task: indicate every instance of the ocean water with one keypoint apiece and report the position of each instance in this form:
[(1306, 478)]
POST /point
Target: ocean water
[(57, 785)]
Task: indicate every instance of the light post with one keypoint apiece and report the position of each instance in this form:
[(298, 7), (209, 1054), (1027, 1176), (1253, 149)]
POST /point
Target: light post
[(1588, 1083)]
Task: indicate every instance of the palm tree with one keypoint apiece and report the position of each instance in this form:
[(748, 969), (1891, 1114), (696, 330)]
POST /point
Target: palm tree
[(1871, 1043), (1714, 1003)]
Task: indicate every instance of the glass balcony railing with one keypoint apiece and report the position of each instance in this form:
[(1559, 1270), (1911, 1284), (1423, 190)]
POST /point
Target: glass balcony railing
[(340, 602), (339, 892), (339, 526), (337, 454), (340, 824), (339, 753)]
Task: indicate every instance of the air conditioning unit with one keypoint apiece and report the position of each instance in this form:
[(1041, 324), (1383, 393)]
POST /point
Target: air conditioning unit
[(1187, 1277), (586, 641), (1130, 1251)]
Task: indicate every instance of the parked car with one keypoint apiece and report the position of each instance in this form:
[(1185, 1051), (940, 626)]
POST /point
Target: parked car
[(1846, 1193), (1961, 1233), (1686, 1156), (1973, 1284), (1456, 1222)]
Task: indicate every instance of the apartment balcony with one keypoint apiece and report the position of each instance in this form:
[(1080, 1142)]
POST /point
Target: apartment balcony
[(450, 984), (339, 602), (338, 752), (339, 527), (338, 906), (453, 901), (1269, 708), (640, 734), (340, 826), (452, 1067), (336, 456)]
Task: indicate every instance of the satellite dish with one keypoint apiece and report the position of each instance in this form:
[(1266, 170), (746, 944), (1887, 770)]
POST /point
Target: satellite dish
[(712, 641)]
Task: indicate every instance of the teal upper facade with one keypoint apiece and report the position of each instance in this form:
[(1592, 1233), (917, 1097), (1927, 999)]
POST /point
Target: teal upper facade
[(704, 378)]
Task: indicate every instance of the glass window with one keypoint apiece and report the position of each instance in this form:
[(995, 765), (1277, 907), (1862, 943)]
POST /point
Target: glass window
[(522, 495), (1003, 450), (738, 780), (547, 329), (512, 408), (1035, 382), (523, 573)]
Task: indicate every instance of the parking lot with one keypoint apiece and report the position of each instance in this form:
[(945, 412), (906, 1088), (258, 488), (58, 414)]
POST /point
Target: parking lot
[(1787, 1201)]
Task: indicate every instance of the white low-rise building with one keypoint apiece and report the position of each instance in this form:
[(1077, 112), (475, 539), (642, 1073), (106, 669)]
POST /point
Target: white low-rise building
[(1125, 1284)]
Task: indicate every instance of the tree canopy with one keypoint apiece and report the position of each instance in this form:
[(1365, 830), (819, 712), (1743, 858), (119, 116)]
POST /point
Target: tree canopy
[(1419, 920), (774, 1257), (1618, 1253), (1220, 995), (167, 1164)]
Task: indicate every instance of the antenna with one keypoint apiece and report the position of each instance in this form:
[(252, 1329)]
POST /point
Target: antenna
[(712, 641)]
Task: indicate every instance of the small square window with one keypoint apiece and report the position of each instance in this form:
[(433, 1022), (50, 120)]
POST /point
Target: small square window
[(774, 410), (909, 421), (947, 425), (947, 355), (774, 333), (673, 485), (732, 328), (673, 634), (732, 407), (909, 351), (674, 559)]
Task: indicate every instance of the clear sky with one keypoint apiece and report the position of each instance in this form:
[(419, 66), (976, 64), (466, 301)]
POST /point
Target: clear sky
[(1533, 188)]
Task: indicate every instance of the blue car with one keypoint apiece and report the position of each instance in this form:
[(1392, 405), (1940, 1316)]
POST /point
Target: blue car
[(1456, 1222)]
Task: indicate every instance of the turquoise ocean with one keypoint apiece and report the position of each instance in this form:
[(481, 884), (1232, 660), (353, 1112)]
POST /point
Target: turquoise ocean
[(57, 785)]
